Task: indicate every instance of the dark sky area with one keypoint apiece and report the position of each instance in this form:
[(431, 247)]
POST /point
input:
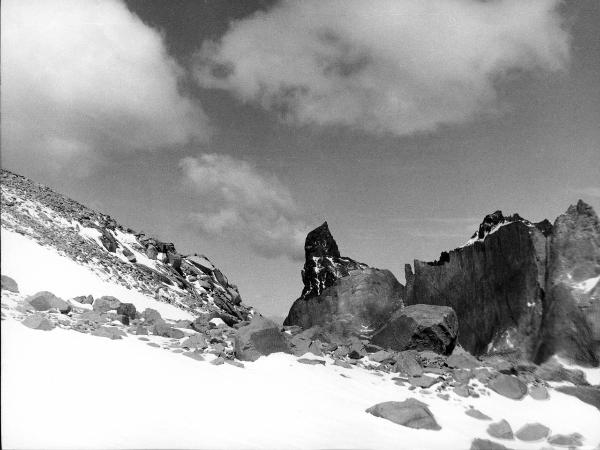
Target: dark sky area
[(233, 127)]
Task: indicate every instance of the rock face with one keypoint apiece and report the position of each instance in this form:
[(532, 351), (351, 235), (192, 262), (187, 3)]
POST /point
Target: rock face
[(409, 413), (339, 288), (518, 286), (420, 327), (260, 337)]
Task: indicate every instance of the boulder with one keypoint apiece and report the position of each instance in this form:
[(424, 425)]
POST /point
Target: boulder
[(8, 284), (500, 430), (43, 301), (195, 341), (552, 370), (84, 299), (151, 252), (106, 303), (109, 332), (532, 432), (485, 444), (538, 392), (108, 240), (260, 337), (461, 359), (420, 327), (407, 363), (127, 309), (508, 386), (151, 316), (129, 255), (409, 413), (311, 362), (476, 414), (165, 330), (38, 322), (566, 440), (423, 381)]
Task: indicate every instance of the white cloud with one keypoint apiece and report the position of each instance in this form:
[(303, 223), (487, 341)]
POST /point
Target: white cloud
[(82, 78), (398, 66), (239, 202)]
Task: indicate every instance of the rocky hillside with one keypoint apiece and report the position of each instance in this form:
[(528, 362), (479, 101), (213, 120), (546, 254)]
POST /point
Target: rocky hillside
[(521, 287), (117, 253)]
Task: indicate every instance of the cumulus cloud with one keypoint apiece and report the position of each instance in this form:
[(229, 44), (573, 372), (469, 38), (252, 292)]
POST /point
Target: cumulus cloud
[(393, 66), (238, 201), (81, 78)]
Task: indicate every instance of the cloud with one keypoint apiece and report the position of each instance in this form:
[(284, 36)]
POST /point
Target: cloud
[(391, 66), (82, 78), (239, 202)]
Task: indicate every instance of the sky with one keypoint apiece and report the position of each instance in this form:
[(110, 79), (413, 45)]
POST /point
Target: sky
[(232, 128)]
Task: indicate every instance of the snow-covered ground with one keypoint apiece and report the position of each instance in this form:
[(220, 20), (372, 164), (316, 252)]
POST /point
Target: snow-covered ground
[(36, 268), (62, 389)]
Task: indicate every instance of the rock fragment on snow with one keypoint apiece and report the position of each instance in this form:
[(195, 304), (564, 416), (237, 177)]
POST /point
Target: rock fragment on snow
[(532, 432), (508, 386), (500, 430), (8, 284), (38, 322), (409, 413)]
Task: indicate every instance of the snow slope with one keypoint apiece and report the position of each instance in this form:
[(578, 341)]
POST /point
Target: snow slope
[(62, 389), (36, 268)]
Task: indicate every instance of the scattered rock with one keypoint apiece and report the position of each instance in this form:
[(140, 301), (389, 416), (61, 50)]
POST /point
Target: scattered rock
[(141, 330), (381, 356), (566, 440), (218, 361), (532, 432), (500, 430), (476, 414), (127, 309), (165, 330), (109, 332), (342, 363), (420, 327), (508, 386), (38, 322), (8, 284), (538, 392), (313, 362), (260, 337), (234, 363), (406, 362), (44, 301), (409, 413), (151, 316), (423, 381), (552, 370), (105, 304), (462, 360), (194, 355), (195, 341), (485, 444), (84, 299)]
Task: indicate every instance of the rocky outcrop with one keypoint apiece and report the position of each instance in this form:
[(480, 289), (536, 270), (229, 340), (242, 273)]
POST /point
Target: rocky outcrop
[(339, 289), (523, 287), (420, 327)]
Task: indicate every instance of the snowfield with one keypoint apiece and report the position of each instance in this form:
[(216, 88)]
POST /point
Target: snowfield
[(62, 389)]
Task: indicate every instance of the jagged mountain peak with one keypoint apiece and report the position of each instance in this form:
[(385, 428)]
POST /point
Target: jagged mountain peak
[(320, 242)]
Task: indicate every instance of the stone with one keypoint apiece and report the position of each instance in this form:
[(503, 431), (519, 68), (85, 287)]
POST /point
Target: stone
[(539, 392), (462, 375), (313, 362), (462, 360), (38, 322), (234, 363), (476, 414), (462, 390), (423, 381), (106, 303), (165, 330), (195, 341), (500, 430), (44, 301), (141, 330), (129, 255), (508, 386), (410, 413), (151, 252), (406, 363), (84, 299), (261, 337), (342, 363), (587, 394), (151, 316), (532, 432), (485, 444), (420, 327), (109, 332), (194, 355), (552, 370), (127, 309), (566, 440), (8, 284), (218, 361), (381, 356)]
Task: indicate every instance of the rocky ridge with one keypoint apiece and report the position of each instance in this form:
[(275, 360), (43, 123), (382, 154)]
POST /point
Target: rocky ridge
[(117, 253)]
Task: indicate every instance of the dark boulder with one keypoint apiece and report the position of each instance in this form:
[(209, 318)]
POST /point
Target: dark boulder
[(8, 284), (420, 327), (587, 394), (127, 309), (260, 337), (129, 255), (106, 303), (508, 386), (44, 300), (108, 240), (409, 413)]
